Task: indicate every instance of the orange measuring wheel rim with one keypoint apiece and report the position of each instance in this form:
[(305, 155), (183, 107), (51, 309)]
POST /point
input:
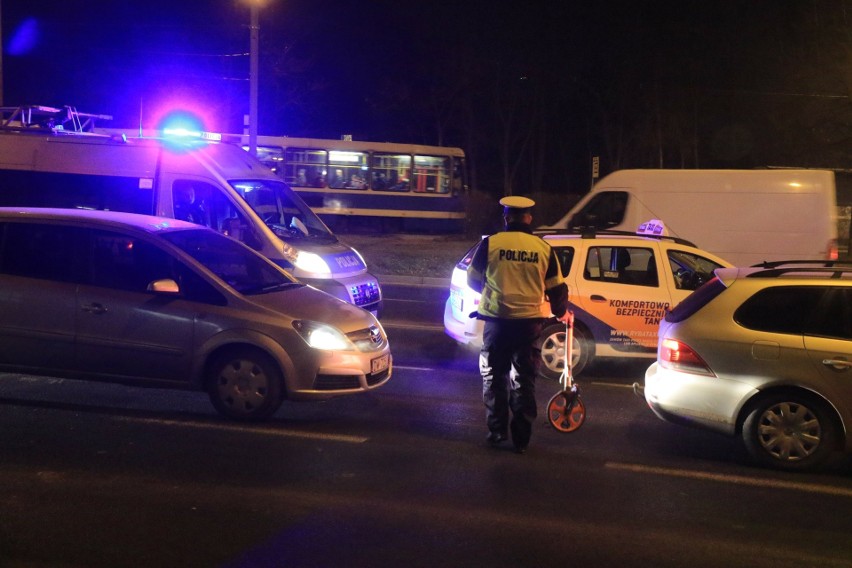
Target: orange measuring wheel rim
[(566, 415)]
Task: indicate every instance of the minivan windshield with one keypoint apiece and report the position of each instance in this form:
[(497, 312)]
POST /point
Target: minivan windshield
[(242, 269), (283, 211)]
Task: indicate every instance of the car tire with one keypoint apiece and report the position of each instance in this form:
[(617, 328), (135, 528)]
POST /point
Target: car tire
[(791, 431), (553, 350), (245, 384)]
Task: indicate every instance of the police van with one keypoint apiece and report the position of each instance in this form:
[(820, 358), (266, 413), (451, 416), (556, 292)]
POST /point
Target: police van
[(620, 285), (57, 158)]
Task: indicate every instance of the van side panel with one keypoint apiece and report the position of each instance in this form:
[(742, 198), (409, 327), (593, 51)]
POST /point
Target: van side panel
[(743, 216), (19, 188), (99, 156), (741, 227), (58, 172)]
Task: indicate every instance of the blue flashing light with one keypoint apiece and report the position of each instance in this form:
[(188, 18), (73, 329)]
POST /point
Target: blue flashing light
[(185, 124), (180, 132), (25, 38)]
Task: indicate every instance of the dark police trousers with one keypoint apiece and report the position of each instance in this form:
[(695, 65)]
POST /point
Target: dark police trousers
[(508, 362)]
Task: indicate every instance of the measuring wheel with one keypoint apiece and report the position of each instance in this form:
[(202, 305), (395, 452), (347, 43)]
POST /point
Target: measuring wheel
[(566, 411)]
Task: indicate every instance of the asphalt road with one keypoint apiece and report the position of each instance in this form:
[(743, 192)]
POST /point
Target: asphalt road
[(111, 476)]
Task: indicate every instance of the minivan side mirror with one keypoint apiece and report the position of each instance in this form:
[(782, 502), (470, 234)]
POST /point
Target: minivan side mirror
[(164, 286)]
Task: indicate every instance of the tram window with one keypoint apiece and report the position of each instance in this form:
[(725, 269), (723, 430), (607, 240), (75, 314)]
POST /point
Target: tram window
[(272, 157), (347, 170), (391, 172), (432, 174), (305, 167)]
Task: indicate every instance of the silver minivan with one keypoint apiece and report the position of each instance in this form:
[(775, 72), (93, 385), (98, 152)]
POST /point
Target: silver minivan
[(151, 301)]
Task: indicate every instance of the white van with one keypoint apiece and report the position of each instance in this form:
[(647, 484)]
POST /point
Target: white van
[(743, 216), (214, 184)]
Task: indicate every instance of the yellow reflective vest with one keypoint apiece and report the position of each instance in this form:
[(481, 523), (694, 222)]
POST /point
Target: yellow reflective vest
[(513, 271)]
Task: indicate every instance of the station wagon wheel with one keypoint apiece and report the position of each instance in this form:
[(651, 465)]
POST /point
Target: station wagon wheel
[(244, 384), (793, 432), (553, 350)]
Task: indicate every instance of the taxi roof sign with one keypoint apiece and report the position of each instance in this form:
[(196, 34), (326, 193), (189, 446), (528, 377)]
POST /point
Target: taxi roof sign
[(653, 227)]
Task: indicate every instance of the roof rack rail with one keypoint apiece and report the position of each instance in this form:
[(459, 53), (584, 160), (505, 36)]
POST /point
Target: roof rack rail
[(591, 233), (835, 272), (41, 118), (817, 263)]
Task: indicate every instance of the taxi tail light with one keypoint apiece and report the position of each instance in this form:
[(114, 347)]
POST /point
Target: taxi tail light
[(679, 356)]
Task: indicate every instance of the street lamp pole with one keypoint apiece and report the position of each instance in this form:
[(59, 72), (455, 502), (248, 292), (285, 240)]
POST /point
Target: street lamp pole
[(253, 72)]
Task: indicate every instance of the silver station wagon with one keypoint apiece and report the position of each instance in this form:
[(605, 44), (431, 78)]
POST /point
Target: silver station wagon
[(148, 301), (764, 353)]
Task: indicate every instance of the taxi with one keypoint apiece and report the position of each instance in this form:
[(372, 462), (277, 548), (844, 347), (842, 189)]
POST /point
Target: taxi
[(620, 285)]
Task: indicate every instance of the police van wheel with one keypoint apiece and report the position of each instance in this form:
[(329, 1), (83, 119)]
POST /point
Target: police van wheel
[(553, 350)]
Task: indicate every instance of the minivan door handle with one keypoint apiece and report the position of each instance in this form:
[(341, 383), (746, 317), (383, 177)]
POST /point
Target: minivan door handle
[(597, 298), (95, 308)]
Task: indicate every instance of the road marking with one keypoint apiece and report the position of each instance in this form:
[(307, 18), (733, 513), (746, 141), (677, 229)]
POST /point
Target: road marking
[(733, 479), (405, 325), (250, 430), (615, 385), (427, 369)]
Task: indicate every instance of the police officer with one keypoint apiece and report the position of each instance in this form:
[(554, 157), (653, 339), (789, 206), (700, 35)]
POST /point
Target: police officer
[(514, 271)]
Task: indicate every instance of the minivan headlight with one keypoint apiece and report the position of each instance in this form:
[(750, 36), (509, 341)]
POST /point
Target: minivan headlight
[(322, 336)]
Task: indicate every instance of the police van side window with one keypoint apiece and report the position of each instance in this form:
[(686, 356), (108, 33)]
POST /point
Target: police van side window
[(188, 201), (76, 191), (212, 208), (47, 252)]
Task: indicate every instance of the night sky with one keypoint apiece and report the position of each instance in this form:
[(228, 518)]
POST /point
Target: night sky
[(531, 89)]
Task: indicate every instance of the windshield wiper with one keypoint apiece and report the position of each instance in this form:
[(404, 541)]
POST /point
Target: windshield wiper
[(270, 288)]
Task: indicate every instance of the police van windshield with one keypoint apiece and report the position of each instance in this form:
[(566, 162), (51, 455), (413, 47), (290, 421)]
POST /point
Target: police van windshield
[(245, 271), (283, 211)]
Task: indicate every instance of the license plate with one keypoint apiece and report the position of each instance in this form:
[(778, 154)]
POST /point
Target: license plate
[(456, 300), (379, 364)]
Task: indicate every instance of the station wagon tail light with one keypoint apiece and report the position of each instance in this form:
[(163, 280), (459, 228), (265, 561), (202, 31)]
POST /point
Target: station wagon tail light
[(679, 356)]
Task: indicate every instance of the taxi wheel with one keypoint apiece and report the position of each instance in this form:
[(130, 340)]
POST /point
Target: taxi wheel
[(245, 384), (792, 431), (553, 350)]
